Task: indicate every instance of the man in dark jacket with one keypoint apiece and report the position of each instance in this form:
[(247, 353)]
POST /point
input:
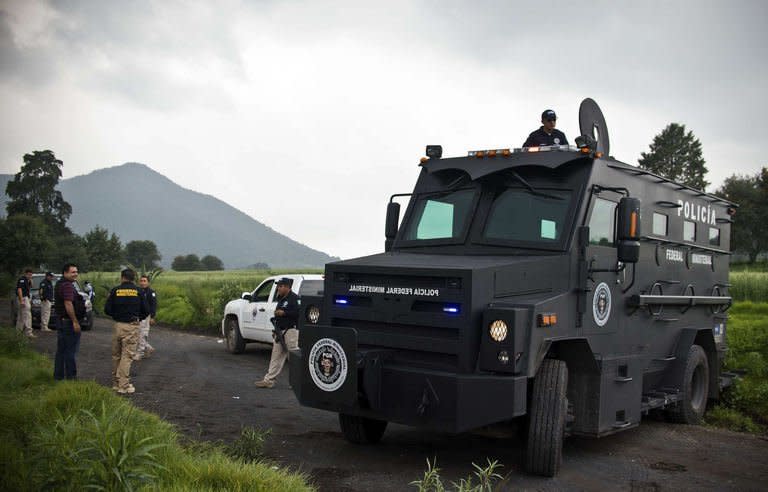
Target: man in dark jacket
[(70, 308), (286, 316), (46, 299), (144, 349), (547, 134), (127, 307)]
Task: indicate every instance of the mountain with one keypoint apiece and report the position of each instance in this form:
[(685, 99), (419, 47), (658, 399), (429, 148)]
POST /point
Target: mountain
[(178, 220)]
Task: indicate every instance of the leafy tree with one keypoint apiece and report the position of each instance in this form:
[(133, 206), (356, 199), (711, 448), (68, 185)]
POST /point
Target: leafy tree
[(24, 240), (210, 262), (142, 253), (67, 247), (33, 190), (188, 263), (748, 233), (676, 155), (105, 252), (259, 266)]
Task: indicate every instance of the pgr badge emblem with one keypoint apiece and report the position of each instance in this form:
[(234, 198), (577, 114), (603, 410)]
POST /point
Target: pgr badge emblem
[(601, 304), (328, 364)]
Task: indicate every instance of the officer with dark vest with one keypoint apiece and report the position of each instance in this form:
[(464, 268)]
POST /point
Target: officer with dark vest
[(23, 294), (286, 316), (46, 300), (70, 308), (127, 307), (547, 134)]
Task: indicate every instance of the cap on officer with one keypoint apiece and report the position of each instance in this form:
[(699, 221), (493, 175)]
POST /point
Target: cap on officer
[(285, 281), (548, 115), (48, 274)]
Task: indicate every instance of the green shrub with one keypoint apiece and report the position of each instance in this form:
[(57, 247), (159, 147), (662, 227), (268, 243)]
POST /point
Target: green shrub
[(431, 481), (729, 418), (249, 446), (749, 286)]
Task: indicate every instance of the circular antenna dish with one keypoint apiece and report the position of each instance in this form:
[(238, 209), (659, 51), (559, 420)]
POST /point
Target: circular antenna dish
[(592, 123)]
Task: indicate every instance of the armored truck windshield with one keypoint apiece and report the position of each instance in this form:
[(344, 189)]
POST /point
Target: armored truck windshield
[(503, 212)]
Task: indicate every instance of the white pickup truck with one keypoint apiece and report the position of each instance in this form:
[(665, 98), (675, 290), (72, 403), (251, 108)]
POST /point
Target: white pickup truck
[(246, 319)]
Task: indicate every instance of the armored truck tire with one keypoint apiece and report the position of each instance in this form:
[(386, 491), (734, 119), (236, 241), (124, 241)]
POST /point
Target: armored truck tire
[(235, 342), (695, 389), (547, 415), (361, 430)]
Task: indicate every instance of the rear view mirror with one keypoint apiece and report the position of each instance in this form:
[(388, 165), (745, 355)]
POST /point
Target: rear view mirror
[(390, 227), (628, 230), (246, 296)]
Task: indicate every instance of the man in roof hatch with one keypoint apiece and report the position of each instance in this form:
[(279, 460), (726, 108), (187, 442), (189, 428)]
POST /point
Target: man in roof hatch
[(547, 134)]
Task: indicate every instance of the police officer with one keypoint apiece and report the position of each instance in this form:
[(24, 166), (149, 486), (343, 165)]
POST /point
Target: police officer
[(547, 134), (127, 307), (144, 349), (46, 299), (286, 316), (70, 308), (23, 292)]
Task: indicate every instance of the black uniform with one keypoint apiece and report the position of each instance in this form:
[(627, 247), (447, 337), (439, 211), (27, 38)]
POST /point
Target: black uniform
[(540, 137), (151, 298), (289, 304), (125, 304), (46, 290), (25, 285)]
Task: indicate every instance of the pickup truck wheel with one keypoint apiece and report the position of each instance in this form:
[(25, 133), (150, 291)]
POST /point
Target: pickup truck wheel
[(695, 390), (548, 411), (235, 342), (361, 430)]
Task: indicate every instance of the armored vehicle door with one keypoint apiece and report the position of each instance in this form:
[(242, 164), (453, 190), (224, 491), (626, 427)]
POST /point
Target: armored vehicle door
[(605, 295)]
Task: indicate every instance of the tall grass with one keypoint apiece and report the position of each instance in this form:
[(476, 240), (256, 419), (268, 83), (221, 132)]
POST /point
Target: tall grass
[(749, 286), (78, 435)]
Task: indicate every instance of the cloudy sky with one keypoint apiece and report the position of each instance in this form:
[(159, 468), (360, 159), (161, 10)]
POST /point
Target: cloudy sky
[(309, 115)]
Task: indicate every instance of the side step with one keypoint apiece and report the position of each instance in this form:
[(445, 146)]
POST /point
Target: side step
[(659, 399)]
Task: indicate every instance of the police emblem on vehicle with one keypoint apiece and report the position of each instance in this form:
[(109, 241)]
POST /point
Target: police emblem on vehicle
[(328, 364), (601, 304)]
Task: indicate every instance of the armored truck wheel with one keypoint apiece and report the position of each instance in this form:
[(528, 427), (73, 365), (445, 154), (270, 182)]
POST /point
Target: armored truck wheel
[(695, 389), (361, 430), (235, 342), (547, 413)]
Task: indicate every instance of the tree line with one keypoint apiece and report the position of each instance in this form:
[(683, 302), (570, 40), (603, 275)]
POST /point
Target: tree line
[(35, 232)]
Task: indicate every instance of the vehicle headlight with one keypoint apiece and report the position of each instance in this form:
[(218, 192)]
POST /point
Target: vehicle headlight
[(313, 314), (498, 330)]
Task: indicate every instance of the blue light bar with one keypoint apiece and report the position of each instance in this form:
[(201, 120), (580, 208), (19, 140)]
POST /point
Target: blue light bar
[(451, 309), (341, 300)]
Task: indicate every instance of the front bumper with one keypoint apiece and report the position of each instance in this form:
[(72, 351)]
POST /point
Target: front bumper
[(376, 386)]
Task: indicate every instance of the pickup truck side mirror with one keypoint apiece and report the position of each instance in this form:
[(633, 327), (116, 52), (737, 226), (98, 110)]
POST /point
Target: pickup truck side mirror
[(246, 296), (390, 227), (628, 230)]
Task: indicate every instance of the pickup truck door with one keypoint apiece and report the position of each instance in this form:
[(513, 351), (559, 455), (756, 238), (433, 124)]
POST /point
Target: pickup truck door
[(255, 317)]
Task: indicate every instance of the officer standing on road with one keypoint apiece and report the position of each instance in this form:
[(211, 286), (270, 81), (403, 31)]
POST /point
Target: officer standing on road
[(144, 349), (127, 307), (70, 308), (547, 134), (23, 292), (46, 299), (286, 316)]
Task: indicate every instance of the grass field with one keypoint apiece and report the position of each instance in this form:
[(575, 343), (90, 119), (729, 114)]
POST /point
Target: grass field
[(74, 435)]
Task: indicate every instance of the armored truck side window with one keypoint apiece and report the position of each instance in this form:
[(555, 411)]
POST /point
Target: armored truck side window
[(441, 216), (602, 223), (311, 288), (689, 231), (519, 215), (714, 236), (659, 224)]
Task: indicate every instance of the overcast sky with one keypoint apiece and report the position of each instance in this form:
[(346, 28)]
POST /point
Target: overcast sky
[(309, 115)]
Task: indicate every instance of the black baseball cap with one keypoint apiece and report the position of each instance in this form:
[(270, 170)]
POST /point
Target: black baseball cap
[(548, 115), (48, 274), (285, 281)]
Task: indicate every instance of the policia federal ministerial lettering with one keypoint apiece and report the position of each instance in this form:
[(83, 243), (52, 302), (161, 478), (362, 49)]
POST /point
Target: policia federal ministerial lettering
[(125, 304)]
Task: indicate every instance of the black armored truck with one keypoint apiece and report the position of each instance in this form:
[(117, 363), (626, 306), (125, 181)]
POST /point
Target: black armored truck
[(555, 284)]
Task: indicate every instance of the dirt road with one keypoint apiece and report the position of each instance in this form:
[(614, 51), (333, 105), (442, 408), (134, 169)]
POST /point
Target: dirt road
[(209, 394)]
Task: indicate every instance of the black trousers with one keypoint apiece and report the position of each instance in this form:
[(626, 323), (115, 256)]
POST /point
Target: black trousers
[(65, 366)]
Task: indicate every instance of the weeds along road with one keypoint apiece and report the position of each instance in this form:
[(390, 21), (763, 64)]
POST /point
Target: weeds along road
[(209, 394)]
